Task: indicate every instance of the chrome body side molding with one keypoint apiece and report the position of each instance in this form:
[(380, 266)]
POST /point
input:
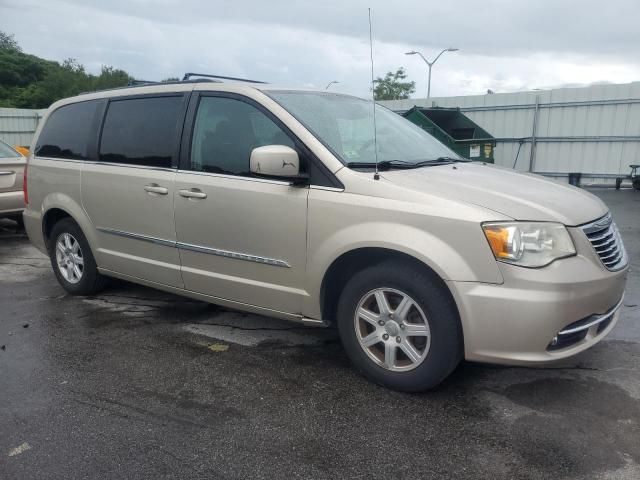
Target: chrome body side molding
[(198, 248), (236, 255), (137, 236)]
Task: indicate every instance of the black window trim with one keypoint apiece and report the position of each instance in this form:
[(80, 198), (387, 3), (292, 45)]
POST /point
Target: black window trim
[(175, 156), (187, 136)]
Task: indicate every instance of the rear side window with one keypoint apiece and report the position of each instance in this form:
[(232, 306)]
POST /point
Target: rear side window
[(141, 131), (67, 132)]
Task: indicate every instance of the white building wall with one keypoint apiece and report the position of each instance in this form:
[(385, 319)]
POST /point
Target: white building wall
[(592, 130)]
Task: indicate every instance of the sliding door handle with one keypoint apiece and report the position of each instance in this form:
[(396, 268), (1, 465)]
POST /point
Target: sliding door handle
[(155, 188), (192, 193)]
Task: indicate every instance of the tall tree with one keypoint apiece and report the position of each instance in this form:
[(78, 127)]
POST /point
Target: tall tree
[(8, 42), (393, 86)]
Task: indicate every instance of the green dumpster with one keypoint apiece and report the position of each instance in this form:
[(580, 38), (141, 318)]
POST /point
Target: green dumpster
[(455, 130)]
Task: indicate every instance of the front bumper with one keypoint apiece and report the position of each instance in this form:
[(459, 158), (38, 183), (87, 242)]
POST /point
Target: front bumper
[(516, 322)]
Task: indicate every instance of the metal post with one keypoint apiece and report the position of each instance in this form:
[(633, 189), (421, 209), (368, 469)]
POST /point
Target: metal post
[(429, 82), (534, 130)]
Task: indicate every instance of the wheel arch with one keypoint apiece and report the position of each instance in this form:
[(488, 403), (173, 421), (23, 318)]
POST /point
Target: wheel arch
[(349, 263), (50, 218), (59, 206)]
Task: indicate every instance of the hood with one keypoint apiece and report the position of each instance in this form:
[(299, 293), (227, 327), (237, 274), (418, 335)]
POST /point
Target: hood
[(521, 196)]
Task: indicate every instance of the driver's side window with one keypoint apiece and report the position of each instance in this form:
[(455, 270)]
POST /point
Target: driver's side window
[(226, 130)]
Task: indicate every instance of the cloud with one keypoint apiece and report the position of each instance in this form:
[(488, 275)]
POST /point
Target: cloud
[(505, 45)]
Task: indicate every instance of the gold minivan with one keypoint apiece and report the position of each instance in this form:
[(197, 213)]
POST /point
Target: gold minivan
[(285, 203)]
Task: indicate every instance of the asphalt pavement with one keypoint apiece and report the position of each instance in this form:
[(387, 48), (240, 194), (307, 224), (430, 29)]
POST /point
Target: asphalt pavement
[(135, 383)]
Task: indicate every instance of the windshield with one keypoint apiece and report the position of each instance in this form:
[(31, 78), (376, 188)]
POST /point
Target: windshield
[(7, 152), (345, 125)]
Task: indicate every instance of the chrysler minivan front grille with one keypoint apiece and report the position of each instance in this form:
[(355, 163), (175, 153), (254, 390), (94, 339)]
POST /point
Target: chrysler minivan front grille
[(606, 241)]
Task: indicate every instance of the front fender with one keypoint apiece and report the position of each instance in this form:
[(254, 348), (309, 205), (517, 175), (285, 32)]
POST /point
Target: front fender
[(429, 249), (446, 237), (444, 259)]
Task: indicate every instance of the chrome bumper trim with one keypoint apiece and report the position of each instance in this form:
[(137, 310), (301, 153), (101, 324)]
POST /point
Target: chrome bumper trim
[(596, 320)]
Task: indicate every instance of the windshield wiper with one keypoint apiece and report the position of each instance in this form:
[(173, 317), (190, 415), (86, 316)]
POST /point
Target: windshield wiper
[(405, 164), (439, 161), (383, 165)]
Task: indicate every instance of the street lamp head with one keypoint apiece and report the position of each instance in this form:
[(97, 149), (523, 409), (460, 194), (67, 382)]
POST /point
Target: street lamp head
[(431, 63)]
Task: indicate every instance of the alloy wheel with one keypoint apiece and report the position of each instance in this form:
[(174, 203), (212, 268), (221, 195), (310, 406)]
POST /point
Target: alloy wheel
[(392, 329), (69, 258)]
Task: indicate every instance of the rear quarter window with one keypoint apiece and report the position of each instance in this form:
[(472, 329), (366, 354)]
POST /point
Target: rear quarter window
[(67, 132)]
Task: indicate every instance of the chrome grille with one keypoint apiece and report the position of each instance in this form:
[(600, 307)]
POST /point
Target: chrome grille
[(606, 241)]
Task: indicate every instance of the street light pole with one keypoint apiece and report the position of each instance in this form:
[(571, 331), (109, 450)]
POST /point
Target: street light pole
[(331, 83), (430, 64)]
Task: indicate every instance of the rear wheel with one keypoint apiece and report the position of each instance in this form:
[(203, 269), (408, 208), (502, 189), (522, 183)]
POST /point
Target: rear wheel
[(72, 259), (400, 327)]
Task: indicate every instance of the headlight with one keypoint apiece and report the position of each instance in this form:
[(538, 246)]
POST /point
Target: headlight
[(528, 244)]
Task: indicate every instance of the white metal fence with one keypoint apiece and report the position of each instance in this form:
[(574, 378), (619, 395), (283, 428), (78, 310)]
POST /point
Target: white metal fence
[(17, 125), (593, 130)]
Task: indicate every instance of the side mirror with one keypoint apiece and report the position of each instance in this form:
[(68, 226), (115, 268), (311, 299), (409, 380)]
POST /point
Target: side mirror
[(275, 161)]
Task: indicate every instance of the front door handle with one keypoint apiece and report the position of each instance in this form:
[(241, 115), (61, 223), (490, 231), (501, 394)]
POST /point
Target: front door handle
[(193, 193), (155, 188)]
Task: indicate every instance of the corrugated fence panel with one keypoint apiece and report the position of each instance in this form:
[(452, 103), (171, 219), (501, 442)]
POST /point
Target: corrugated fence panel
[(592, 130), (17, 125)]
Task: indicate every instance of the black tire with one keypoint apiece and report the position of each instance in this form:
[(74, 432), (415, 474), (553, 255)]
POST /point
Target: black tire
[(446, 343), (91, 281), (636, 184)]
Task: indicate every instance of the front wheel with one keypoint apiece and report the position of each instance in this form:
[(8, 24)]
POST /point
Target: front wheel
[(72, 260), (400, 326)]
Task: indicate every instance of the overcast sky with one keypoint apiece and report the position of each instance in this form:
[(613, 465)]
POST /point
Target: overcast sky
[(505, 45)]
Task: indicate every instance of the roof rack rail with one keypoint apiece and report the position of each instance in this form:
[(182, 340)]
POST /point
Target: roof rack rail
[(138, 83), (187, 76), (145, 83)]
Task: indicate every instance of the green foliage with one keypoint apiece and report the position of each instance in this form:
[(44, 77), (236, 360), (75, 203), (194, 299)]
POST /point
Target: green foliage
[(392, 86), (7, 42), (27, 81)]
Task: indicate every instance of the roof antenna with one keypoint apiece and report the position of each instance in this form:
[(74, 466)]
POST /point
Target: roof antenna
[(376, 176)]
